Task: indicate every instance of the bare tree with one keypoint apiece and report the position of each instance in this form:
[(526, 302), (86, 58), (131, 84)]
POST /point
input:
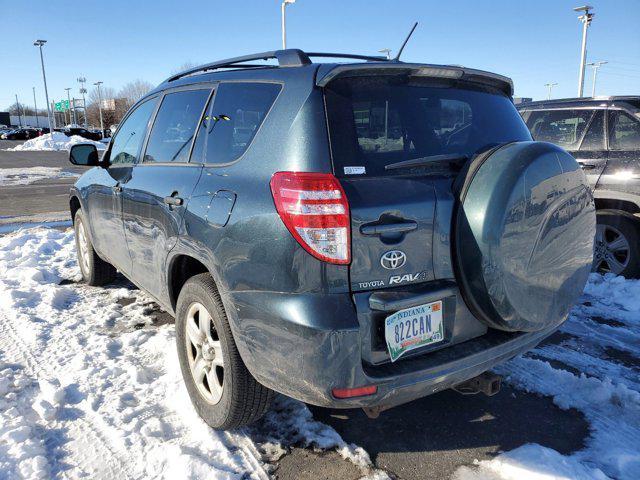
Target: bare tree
[(185, 66), (133, 91)]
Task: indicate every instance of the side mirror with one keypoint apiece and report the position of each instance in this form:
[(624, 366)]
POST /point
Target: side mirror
[(84, 154)]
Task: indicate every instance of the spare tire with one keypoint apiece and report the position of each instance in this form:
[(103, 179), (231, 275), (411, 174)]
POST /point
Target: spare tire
[(523, 235)]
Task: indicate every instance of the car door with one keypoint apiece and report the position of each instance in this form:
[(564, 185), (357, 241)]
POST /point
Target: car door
[(566, 127), (103, 200), (623, 167), (160, 186), (592, 154)]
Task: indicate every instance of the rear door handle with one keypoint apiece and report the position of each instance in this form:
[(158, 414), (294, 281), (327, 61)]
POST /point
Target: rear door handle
[(173, 201), (386, 228), (587, 166)]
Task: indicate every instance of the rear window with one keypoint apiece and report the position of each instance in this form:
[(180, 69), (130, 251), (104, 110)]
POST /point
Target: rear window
[(377, 121), (562, 127)]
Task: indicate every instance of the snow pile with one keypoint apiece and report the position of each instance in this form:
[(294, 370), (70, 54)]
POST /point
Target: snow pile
[(100, 385), (55, 141), (26, 176)]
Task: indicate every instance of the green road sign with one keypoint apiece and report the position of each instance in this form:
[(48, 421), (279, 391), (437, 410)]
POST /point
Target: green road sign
[(62, 106)]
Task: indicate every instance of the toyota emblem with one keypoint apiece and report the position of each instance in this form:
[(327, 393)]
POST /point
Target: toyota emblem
[(393, 259)]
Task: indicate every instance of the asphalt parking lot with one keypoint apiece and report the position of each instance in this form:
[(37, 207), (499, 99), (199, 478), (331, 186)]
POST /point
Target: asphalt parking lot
[(42, 200), (425, 439)]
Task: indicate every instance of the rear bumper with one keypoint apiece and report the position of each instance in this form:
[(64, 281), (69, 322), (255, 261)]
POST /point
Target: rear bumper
[(305, 345)]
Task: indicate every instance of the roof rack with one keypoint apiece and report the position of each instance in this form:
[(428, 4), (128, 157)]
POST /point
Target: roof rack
[(291, 57)]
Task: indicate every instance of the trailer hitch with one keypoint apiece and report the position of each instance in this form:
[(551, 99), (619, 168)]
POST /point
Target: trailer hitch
[(487, 383)]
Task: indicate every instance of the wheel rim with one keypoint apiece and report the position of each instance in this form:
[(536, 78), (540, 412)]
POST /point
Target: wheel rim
[(204, 352), (612, 252), (83, 246)]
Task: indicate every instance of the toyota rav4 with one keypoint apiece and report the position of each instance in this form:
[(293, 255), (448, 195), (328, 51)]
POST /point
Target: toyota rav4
[(348, 234)]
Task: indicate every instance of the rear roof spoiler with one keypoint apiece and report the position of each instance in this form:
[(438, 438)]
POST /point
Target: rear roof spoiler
[(419, 70)]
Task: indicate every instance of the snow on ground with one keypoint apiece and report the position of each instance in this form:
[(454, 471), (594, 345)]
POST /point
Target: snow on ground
[(602, 332), (55, 141), (25, 176), (90, 388)]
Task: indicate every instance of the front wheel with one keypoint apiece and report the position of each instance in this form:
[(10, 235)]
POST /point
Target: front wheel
[(617, 245), (221, 388), (95, 271)]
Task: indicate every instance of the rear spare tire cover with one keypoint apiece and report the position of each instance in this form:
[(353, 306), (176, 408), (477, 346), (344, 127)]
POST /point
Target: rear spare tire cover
[(523, 235)]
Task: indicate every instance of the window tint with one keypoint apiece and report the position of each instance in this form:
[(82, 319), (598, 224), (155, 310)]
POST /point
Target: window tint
[(562, 127), (231, 123), (175, 125), (376, 121), (127, 142), (594, 138), (624, 131)]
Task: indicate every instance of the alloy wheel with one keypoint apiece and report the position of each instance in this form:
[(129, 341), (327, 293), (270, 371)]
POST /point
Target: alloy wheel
[(612, 252), (83, 245), (204, 352)]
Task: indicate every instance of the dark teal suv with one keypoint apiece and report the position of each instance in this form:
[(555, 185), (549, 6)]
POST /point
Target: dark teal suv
[(348, 234)]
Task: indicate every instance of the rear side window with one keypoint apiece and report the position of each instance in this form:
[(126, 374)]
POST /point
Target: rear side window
[(175, 125), (624, 131), (562, 127), (376, 121), (232, 121)]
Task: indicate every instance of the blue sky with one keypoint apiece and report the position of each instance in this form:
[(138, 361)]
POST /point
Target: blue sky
[(534, 42)]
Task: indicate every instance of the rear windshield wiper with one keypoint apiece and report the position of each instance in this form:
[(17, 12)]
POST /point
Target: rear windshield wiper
[(422, 161)]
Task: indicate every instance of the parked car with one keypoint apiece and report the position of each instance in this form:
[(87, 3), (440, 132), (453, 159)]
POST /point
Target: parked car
[(603, 134), (20, 134), (82, 132), (302, 254)]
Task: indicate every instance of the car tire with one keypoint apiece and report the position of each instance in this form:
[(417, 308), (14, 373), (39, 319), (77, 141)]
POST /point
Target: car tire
[(95, 271), (223, 391), (617, 247)]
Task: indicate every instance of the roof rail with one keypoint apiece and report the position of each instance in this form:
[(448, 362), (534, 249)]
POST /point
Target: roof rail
[(373, 58), (291, 57)]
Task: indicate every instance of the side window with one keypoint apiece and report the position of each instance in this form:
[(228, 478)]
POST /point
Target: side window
[(624, 131), (231, 122), (175, 126), (127, 143), (594, 138), (562, 127)]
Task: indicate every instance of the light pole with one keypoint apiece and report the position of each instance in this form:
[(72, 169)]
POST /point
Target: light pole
[(283, 8), (97, 84), (40, 43), (70, 106), (82, 81), (585, 18), (596, 66), (35, 107), (387, 52), (549, 86)]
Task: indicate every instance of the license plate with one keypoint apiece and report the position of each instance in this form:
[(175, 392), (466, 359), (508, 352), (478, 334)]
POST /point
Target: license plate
[(413, 328)]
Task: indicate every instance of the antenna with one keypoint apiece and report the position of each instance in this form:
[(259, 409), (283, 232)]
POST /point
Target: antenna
[(397, 59)]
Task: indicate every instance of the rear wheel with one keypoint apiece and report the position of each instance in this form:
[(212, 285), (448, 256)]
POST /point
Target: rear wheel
[(617, 246), (221, 388), (95, 271)]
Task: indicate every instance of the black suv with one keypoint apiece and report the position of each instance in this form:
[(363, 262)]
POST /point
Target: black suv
[(348, 234), (603, 134)]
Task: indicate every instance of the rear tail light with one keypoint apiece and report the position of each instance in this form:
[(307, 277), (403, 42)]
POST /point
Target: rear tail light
[(354, 392), (315, 210)]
